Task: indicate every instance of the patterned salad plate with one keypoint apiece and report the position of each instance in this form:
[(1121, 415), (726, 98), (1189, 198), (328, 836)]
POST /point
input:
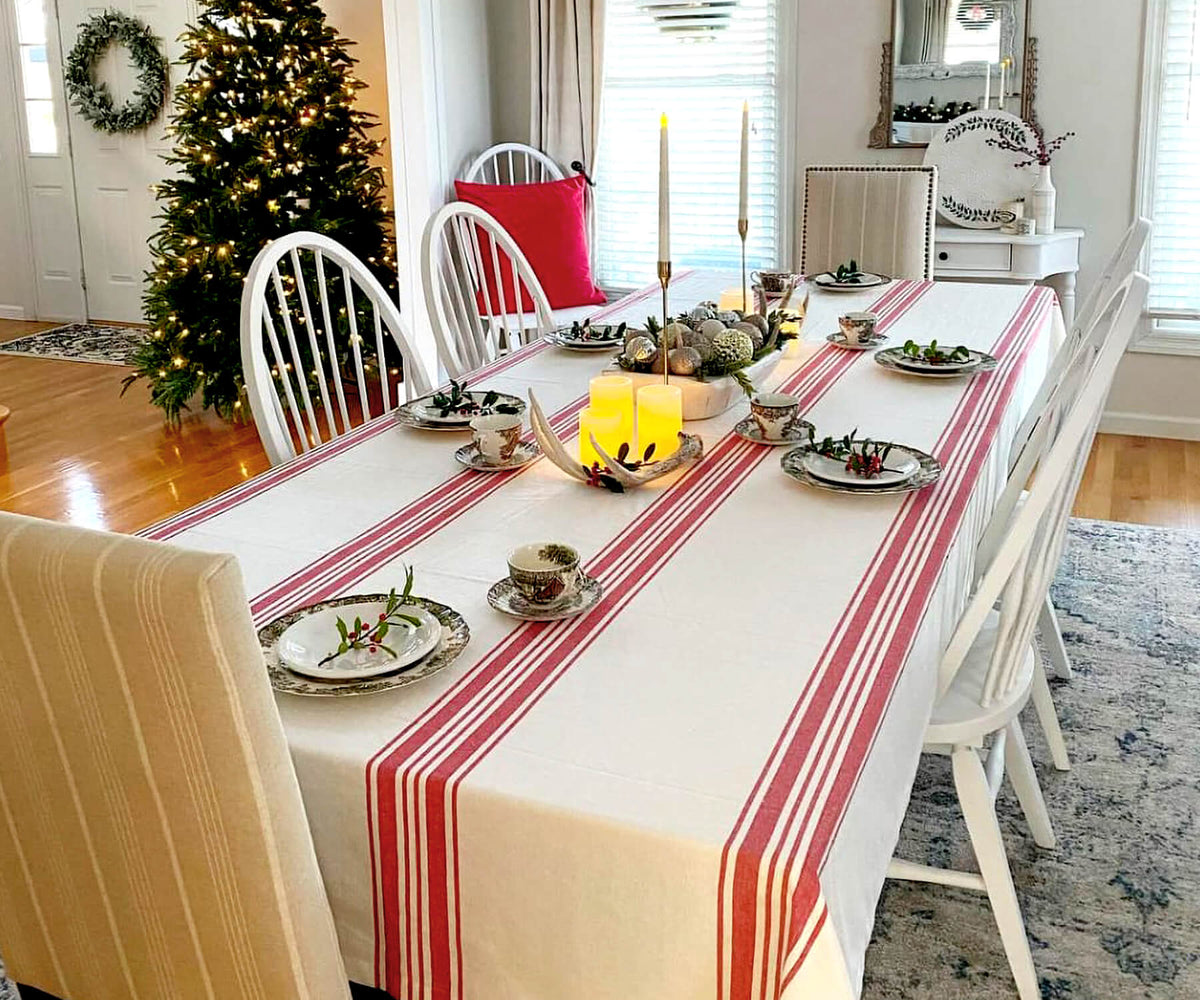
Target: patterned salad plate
[(799, 433), (469, 455), (453, 639), (975, 178), (422, 414), (505, 598), (894, 359), (829, 282), (875, 340), (798, 464), (601, 337)]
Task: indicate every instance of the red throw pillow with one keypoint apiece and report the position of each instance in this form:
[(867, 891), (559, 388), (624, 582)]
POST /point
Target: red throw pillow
[(549, 223)]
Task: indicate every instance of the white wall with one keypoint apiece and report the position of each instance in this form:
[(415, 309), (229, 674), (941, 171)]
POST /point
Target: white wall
[(1090, 67), (509, 40)]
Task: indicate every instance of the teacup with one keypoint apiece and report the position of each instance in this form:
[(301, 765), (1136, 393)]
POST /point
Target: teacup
[(544, 572), (858, 326), (773, 282), (775, 413), (496, 436)]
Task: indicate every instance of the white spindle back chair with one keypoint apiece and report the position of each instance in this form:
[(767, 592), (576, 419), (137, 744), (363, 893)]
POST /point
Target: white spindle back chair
[(276, 295), (990, 666), (513, 163), (462, 246)]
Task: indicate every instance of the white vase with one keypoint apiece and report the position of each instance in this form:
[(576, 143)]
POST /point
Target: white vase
[(1044, 201)]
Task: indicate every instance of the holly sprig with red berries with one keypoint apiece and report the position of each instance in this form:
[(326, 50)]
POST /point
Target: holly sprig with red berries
[(864, 458), (368, 636)]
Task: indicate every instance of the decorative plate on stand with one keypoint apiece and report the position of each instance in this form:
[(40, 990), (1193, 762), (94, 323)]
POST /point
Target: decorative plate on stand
[(975, 179)]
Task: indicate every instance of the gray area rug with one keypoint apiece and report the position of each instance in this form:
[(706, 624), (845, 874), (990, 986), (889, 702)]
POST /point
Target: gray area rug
[(105, 345), (1113, 912)]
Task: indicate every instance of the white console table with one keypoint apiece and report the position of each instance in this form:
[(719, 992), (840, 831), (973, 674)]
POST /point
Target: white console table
[(990, 255)]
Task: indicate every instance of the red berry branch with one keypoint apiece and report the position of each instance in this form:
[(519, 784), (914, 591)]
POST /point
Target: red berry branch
[(1042, 153)]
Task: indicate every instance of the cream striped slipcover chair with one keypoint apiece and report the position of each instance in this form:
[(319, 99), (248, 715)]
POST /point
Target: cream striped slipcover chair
[(153, 843), (880, 216)]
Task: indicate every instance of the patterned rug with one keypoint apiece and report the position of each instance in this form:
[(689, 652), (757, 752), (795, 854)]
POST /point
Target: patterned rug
[(104, 345), (1113, 912)]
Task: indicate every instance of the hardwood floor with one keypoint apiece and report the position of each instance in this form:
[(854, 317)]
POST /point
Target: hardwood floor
[(74, 450)]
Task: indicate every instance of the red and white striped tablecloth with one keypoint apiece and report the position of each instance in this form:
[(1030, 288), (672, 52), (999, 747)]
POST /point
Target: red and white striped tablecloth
[(692, 791)]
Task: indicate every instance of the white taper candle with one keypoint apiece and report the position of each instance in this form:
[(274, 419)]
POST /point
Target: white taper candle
[(744, 177), (664, 194)]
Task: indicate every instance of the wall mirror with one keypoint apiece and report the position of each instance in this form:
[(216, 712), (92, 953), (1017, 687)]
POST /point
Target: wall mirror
[(947, 57)]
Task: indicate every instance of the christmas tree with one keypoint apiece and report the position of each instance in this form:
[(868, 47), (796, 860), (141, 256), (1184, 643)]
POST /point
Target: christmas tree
[(267, 141)]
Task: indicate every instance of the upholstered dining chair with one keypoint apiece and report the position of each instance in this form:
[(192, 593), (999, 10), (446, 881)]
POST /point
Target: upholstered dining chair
[(512, 163), (300, 289), (991, 665), (476, 282), (880, 216), (153, 842)]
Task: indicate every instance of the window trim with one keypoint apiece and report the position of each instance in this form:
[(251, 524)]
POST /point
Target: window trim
[(1154, 335)]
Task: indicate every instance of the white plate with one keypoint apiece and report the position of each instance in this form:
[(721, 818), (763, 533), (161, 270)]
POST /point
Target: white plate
[(893, 358), (899, 467), (829, 283), (306, 642), (424, 411), (562, 337), (924, 365), (975, 179)]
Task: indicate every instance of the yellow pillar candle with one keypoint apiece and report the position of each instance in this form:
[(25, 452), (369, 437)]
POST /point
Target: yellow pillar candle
[(659, 420), (609, 394), (730, 299), (607, 429)]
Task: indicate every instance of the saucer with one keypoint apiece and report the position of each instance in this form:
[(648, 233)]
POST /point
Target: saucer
[(471, 457), (799, 433), (838, 339), (505, 598)]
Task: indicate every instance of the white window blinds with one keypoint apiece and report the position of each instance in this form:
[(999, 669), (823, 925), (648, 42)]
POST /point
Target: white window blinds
[(650, 67), (1175, 174)]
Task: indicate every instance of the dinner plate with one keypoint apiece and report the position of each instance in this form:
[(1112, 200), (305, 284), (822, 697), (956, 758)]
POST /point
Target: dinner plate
[(899, 467), (828, 282), (930, 471), (925, 365), (894, 359), (421, 413), (454, 636), (601, 337), (307, 642)]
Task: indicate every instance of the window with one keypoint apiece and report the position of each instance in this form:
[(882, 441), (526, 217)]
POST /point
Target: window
[(1170, 170), (40, 127), (972, 33), (700, 79)]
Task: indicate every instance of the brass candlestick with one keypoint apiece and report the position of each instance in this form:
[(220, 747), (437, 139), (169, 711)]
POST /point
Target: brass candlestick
[(743, 229), (664, 279)]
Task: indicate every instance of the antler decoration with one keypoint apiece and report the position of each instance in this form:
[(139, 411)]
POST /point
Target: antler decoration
[(621, 477)]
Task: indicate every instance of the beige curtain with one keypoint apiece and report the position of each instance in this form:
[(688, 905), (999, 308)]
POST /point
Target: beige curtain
[(568, 66)]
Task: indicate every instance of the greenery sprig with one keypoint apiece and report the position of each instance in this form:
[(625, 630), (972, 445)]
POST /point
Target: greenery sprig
[(601, 475), (863, 458), (605, 332), (849, 273), (459, 400), (363, 635), (936, 355)]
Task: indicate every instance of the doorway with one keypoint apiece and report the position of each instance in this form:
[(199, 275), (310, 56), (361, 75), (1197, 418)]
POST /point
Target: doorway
[(86, 197)]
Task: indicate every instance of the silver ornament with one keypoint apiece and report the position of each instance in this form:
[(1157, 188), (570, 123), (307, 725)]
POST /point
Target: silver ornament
[(640, 350), (711, 327), (685, 361)]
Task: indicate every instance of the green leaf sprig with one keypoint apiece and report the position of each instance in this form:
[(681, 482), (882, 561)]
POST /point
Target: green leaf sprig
[(863, 458), (459, 400), (936, 355), (848, 274), (370, 636)]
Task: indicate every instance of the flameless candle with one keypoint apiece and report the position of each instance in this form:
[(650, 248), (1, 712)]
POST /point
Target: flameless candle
[(607, 429), (664, 194), (744, 185), (987, 88), (659, 419), (613, 394), (1003, 80), (730, 299)]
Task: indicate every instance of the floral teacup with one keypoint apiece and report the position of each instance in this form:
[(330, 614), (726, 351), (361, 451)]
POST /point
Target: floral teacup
[(858, 326), (773, 282), (544, 572), (496, 436), (775, 413)]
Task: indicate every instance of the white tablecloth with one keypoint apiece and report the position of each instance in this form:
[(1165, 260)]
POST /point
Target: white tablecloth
[(693, 790)]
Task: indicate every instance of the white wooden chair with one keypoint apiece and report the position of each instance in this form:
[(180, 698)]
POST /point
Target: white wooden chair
[(476, 320), (881, 216), (303, 360), (1122, 263), (988, 672), (513, 163)]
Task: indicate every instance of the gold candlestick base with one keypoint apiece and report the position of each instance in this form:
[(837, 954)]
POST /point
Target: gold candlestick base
[(743, 229), (664, 279)]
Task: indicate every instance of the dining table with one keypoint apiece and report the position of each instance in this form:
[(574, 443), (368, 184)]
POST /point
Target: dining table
[(692, 790)]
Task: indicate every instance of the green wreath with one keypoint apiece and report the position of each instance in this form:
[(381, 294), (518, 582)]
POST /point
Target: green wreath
[(92, 98)]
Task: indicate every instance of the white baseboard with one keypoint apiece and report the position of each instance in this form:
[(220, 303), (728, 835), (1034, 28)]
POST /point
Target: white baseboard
[(12, 312), (1151, 425)]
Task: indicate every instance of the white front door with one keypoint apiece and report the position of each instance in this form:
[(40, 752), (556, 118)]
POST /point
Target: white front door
[(115, 174)]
